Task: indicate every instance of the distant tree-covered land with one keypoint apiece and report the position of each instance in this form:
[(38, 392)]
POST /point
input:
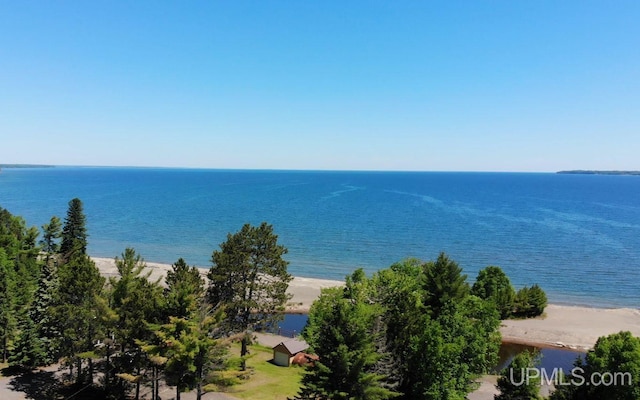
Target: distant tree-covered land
[(597, 172), (25, 166)]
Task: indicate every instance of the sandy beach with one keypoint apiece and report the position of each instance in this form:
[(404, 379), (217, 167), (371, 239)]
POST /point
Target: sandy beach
[(572, 327)]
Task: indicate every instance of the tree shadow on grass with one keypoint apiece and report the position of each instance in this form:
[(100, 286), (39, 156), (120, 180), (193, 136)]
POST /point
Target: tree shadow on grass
[(37, 385)]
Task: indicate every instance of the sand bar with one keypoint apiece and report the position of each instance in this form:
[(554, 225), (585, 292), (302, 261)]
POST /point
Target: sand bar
[(561, 326)]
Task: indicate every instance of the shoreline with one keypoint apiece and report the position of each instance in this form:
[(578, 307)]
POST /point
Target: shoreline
[(572, 327)]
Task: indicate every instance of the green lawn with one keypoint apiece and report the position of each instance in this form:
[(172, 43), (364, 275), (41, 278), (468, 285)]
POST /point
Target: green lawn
[(268, 381)]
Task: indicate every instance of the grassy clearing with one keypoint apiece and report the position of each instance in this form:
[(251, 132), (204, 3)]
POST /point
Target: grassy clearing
[(268, 381)]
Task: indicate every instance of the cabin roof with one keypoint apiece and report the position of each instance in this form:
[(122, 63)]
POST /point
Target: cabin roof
[(293, 346)]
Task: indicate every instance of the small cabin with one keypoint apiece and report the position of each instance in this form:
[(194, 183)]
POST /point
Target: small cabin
[(284, 352)]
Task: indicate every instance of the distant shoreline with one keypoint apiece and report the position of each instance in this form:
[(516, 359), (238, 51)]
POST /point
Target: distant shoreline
[(16, 166), (597, 172), (572, 327)]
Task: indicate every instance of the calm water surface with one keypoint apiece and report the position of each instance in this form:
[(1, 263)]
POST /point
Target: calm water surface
[(578, 236)]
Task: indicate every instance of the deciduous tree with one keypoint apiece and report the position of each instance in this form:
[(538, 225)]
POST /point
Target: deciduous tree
[(611, 370), (517, 382)]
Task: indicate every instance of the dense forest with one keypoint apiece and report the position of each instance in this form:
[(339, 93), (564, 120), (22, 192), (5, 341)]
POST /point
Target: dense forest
[(416, 330)]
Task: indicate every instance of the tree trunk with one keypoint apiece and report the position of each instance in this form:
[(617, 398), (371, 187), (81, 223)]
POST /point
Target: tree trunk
[(178, 391), (199, 384), (243, 352), (138, 383), (90, 361), (79, 379), (157, 393), (153, 383), (107, 369)]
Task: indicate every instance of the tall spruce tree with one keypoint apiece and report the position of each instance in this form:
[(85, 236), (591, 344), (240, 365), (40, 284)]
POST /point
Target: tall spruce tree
[(249, 279), (74, 232), (40, 312), (29, 349)]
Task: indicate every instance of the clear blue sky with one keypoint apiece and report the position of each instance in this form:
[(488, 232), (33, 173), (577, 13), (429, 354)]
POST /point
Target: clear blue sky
[(384, 85)]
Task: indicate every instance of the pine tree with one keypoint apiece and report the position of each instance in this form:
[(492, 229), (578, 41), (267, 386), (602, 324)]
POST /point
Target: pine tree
[(184, 291), (134, 298), (249, 279), (79, 309), (137, 303), (74, 232), (187, 349)]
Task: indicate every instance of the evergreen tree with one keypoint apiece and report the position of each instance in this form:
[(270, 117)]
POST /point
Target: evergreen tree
[(428, 350), (516, 382), (184, 291), (537, 300), (443, 282), (40, 312), (51, 233), (79, 309), (249, 279), (137, 303), (18, 274), (7, 303), (74, 232), (187, 349), (494, 285), (530, 302), (29, 350), (134, 298), (342, 333)]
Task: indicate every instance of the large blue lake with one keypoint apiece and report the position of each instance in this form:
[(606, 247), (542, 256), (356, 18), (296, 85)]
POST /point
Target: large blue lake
[(578, 236)]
